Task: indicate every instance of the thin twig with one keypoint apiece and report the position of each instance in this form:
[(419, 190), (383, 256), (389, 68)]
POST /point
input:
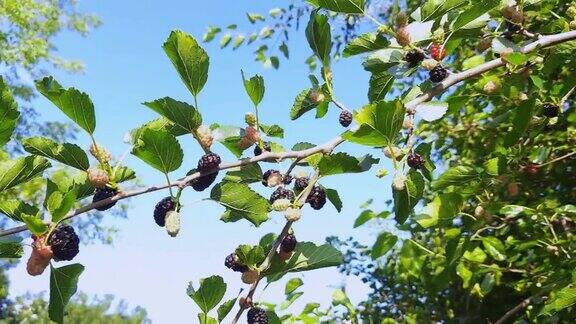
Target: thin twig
[(523, 304), (266, 263)]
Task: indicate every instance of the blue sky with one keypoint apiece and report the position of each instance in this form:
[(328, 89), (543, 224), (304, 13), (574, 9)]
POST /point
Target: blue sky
[(125, 65)]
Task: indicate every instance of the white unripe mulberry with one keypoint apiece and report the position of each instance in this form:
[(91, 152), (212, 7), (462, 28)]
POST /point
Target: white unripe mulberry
[(429, 64), (172, 223), (274, 179), (292, 214), (281, 204), (249, 277), (250, 119), (399, 182), (100, 153), (479, 211), (98, 177), (205, 136), (394, 153)]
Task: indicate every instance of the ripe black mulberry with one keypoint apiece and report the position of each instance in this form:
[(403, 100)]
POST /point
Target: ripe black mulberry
[(415, 161), (317, 198), (265, 147), (288, 243), (345, 118), (257, 315), (550, 110), (414, 57), (64, 243), (209, 161), (162, 208), (282, 193), (104, 193), (231, 262), (438, 74)]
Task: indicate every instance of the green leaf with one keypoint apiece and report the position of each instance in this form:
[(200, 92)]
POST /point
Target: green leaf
[(292, 285), (334, 198), (515, 210), (34, 224), (478, 9), (59, 203), (209, 294), (250, 173), (339, 297), (73, 103), (522, 116), (495, 166), (343, 6), (160, 150), (272, 130), (15, 208), (367, 42), (63, 285), (240, 202), (313, 159), (178, 112), (340, 163), (424, 150), (380, 123), (405, 200), (463, 272), (433, 9), (205, 319), (367, 215), (225, 308), (516, 58), (157, 124), (225, 40), (254, 88), (412, 259), (494, 247), (442, 209), (383, 244), (560, 300), (189, 59), (11, 247), (379, 85), (253, 17), (319, 37), (290, 299), (20, 170), (250, 256), (456, 176), (122, 174), (211, 33), (238, 40), (307, 256), (302, 104), (477, 255), (69, 154), (9, 113), (284, 49)]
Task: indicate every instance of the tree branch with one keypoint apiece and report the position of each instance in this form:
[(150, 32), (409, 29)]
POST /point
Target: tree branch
[(329, 146)]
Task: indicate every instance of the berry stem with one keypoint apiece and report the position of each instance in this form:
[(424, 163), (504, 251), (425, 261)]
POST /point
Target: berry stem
[(195, 132), (169, 184)]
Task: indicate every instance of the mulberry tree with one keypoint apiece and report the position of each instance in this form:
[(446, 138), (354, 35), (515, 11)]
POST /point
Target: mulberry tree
[(470, 100)]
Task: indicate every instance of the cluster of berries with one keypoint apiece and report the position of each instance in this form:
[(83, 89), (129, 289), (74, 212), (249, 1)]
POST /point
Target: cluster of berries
[(283, 196), (62, 245)]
